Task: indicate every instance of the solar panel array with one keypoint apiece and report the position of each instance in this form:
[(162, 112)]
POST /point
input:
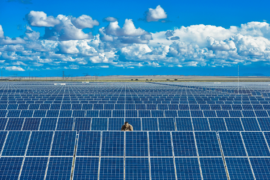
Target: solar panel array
[(180, 131)]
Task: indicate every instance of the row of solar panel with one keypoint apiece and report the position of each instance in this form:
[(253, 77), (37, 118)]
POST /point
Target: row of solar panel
[(132, 106), (139, 124), (130, 113), (133, 168), (135, 144)]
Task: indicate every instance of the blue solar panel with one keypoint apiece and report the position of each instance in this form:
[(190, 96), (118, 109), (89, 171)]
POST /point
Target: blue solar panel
[(183, 124), (88, 144), (63, 143), (187, 168), (99, 124), (248, 114), (264, 124), (48, 124), (239, 168), (184, 144), (76, 106), (232, 144), (255, 144), (34, 106), (105, 113), (235, 114), (213, 168), (26, 113), (59, 168), (86, 168), (12, 106), (136, 144), (82, 124), (196, 113), (78, 113), (170, 113), (10, 167), (112, 144), (166, 124), (135, 122), (137, 168), (222, 113), (183, 114), (115, 124), (209, 114), (16, 143), (261, 167), (162, 168), (118, 113), (131, 113), (87, 106), (3, 122), (92, 114), (64, 113), (250, 124), (15, 124), (111, 168), (2, 139), (40, 143), (261, 114), (144, 113), (157, 113), (234, 124), (65, 124), (14, 113), (31, 124), (55, 106), (149, 124), (66, 106), (200, 124), (3, 113), (44, 106), (52, 113), (207, 144), (160, 144), (217, 124), (34, 168)]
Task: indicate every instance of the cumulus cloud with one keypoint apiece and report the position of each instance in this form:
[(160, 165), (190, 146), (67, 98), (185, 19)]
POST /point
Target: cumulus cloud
[(1, 32), (40, 19), (84, 21), (110, 19), (14, 68), (8, 40), (155, 14)]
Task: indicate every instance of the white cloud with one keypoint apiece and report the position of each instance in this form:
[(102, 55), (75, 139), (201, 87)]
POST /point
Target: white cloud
[(40, 19), (155, 14), (68, 47), (110, 19), (104, 66), (84, 21), (8, 40), (128, 29), (14, 68), (1, 32)]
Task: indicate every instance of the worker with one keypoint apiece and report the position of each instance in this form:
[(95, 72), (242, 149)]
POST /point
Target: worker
[(127, 127)]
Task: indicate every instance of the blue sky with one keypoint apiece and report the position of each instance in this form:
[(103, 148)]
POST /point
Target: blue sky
[(120, 37)]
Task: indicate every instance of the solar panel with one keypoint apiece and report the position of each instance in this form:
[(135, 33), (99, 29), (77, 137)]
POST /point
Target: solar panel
[(52, 113), (166, 124), (111, 168), (157, 113), (10, 167), (15, 124), (48, 124), (99, 124), (63, 143), (232, 144), (200, 124), (3, 122), (209, 114), (40, 143), (184, 144), (162, 168), (217, 124), (34, 168), (149, 124), (183, 113), (160, 144), (248, 114), (213, 168), (92, 114), (187, 168), (239, 168), (136, 168), (183, 124), (235, 114), (207, 144), (255, 144), (250, 124), (16, 143), (136, 144), (86, 168), (59, 168), (261, 114), (112, 144), (144, 113), (66, 106), (261, 167), (196, 114), (135, 122), (82, 124), (3, 113), (14, 113), (31, 124), (2, 139), (65, 124), (264, 124), (115, 124), (89, 143), (34, 106), (26, 113)]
